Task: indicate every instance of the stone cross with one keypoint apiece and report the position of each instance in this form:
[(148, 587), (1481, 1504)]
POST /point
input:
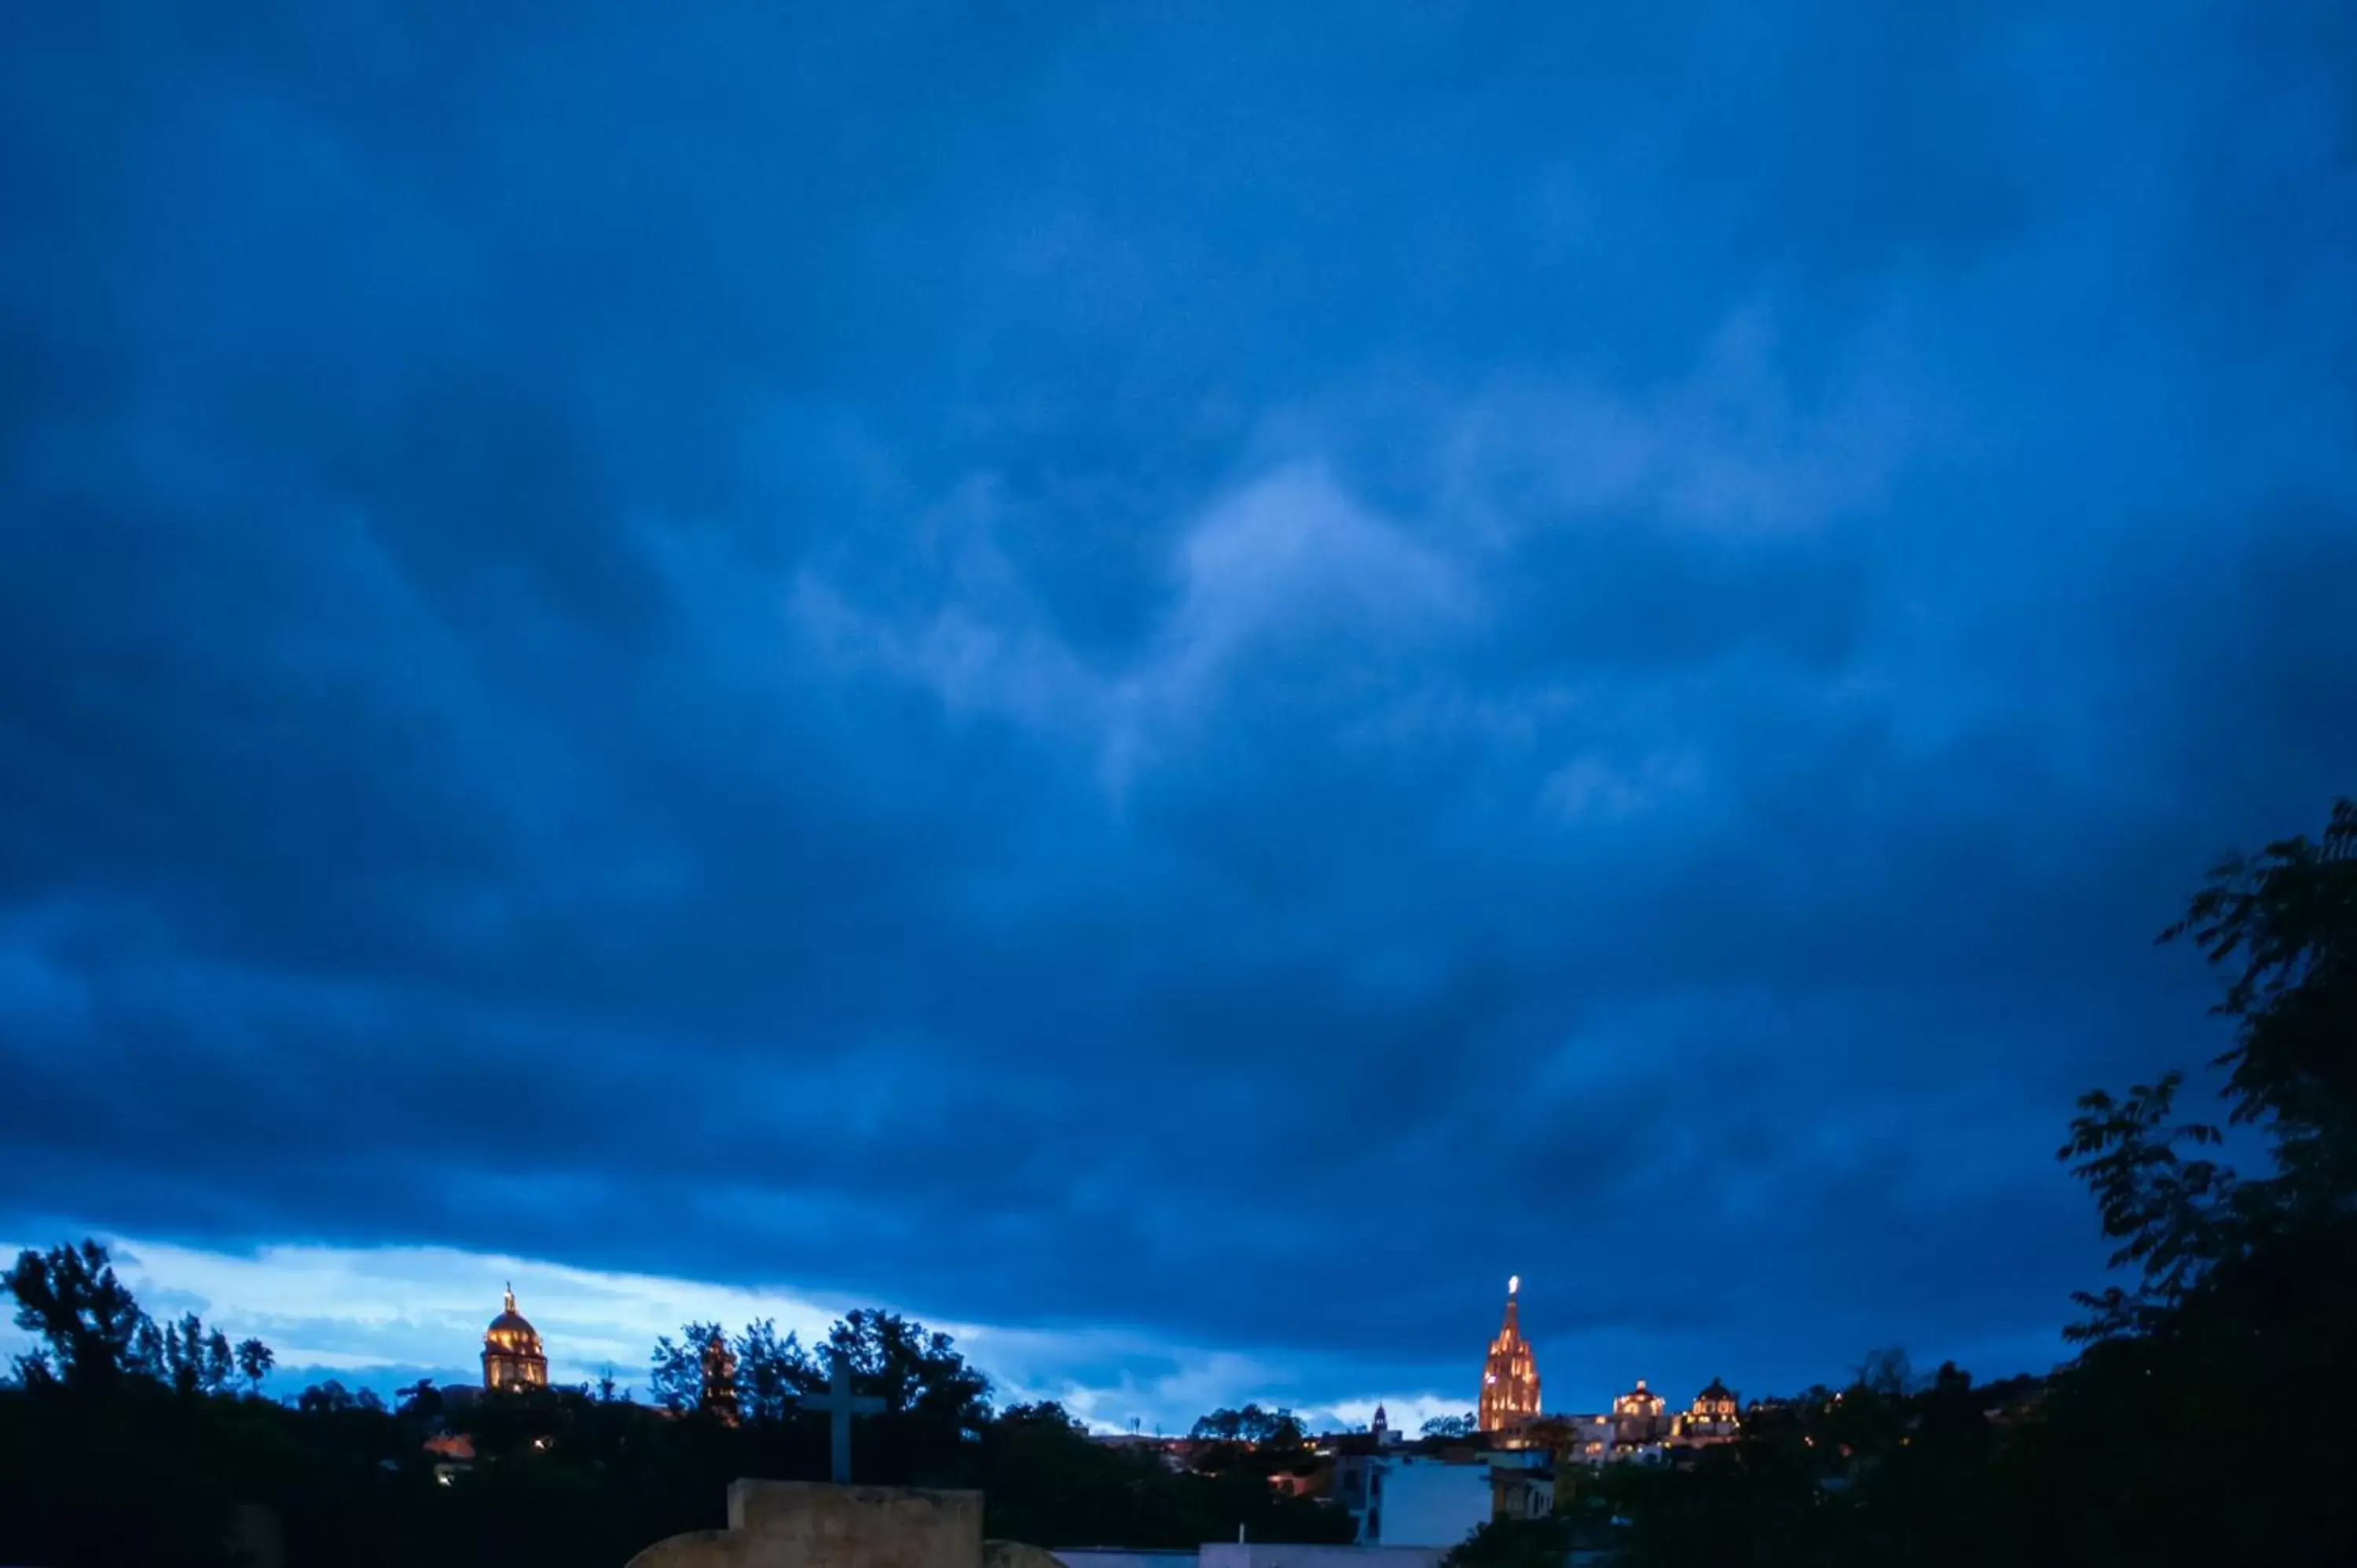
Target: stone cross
[(840, 1406)]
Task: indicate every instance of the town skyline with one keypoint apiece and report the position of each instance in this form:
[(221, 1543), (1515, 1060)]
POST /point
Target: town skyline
[(443, 1334)]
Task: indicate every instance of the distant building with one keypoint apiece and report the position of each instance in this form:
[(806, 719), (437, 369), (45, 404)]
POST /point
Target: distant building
[(1640, 1426), (1638, 1418), (1263, 1554), (1436, 1500), (454, 1454), (1173, 1452), (512, 1357), (1253, 1554), (1510, 1377), (1582, 1439), (1714, 1417), (1522, 1491), (1121, 1557)]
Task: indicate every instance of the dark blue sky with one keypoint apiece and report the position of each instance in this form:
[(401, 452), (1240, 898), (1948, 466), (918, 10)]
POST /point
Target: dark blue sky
[(1207, 672)]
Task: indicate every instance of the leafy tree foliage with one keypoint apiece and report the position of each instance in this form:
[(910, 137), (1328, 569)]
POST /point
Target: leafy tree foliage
[(918, 1374), (675, 1375), (2208, 1417), (185, 1355), (1278, 1428), (773, 1373), (1044, 1479), (1450, 1426), (2283, 923), (2210, 1411), (1516, 1543), (331, 1398), (87, 1319), (2288, 917), (255, 1360)]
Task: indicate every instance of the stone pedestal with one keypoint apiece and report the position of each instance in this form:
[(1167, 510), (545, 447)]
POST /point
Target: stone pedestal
[(804, 1524)]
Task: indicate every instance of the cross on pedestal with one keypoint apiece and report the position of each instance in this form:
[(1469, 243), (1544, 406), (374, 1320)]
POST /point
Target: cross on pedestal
[(840, 1406)]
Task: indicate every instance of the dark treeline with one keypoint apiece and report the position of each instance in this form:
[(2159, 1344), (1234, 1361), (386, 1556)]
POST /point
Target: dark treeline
[(2210, 1416), (120, 1444), (1251, 1425)]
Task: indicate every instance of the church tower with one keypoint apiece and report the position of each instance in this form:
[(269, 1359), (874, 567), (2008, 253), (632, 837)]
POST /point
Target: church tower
[(1510, 1378)]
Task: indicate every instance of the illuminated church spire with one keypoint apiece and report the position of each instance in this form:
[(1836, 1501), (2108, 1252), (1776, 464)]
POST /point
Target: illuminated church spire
[(1510, 1378)]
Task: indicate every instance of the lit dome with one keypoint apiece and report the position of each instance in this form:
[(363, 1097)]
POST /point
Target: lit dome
[(513, 1356), (1638, 1397), (511, 1331)]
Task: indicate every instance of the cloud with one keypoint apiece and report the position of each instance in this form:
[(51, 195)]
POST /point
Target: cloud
[(1173, 689), (1275, 571)]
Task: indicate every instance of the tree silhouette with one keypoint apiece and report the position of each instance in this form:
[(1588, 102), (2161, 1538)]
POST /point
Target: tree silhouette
[(915, 1371), (772, 1373), (255, 1360), (88, 1322), (675, 1370)]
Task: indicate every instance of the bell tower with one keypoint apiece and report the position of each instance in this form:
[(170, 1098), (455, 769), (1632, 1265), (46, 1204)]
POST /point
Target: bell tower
[(1510, 1378)]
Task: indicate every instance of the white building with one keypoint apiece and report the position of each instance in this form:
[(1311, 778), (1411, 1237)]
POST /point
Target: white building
[(1115, 1557), (1257, 1554), (1435, 1501), (1590, 1437), (1260, 1554)]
